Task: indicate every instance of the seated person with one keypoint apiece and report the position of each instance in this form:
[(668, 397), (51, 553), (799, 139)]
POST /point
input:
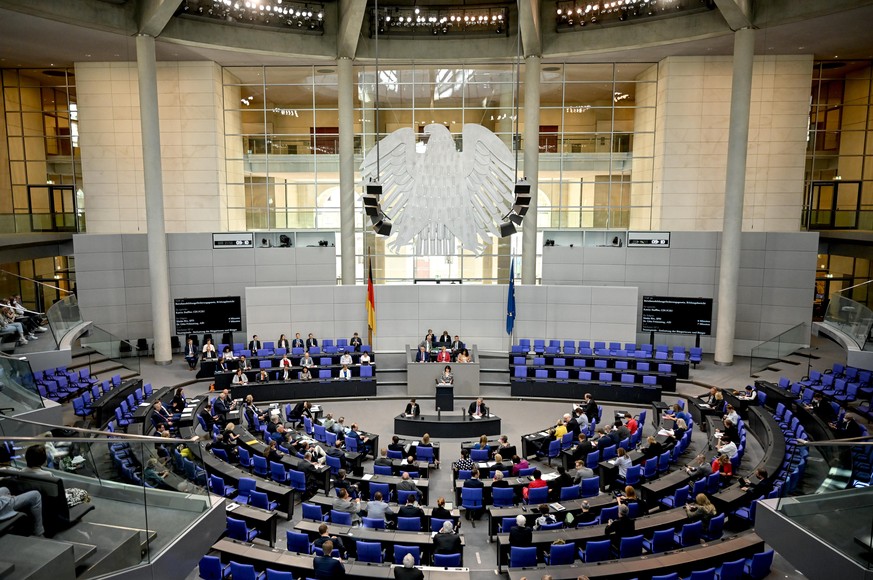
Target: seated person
[(272, 453), (518, 464), (413, 409), (191, 354), (463, 356), (446, 541), (343, 503), (406, 484), (581, 472), (240, 378), (464, 463), (306, 360), (263, 376), (823, 409), (538, 481), (727, 447), (722, 465), (760, 478), (345, 374), (377, 508), (324, 536), (623, 527), (408, 571), (365, 358), (498, 481), (545, 518), (244, 363), (305, 375), (326, 567), (702, 509), (422, 356), (445, 339), (697, 464), (477, 408), (410, 510), (346, 359), (28, 501), (444, 355), (520, 535), (483, 444), (208, 349), (750, 394), (152, 476), (342, 483)]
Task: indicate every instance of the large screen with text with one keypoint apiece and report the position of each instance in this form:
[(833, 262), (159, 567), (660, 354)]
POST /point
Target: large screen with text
[(677, 315), (217, 314)]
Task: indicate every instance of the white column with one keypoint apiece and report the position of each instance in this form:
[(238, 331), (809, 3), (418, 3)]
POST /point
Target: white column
[(735, 186), (159, 276), (532, 65), (347, 168)]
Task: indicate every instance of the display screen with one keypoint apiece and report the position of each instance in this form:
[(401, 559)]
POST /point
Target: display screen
[(217, 314), (677, 315)]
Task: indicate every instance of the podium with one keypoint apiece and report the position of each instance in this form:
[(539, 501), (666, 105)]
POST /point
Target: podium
[(445, 398)]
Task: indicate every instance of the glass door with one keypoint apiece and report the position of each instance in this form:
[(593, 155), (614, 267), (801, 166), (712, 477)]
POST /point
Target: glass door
[(833, 205), (52, 208)]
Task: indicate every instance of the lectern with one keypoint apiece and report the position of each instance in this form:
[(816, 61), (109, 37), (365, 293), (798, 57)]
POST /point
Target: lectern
[(445, 398)]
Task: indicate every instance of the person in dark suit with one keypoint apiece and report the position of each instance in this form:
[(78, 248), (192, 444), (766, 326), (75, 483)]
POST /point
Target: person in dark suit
[(410, 510), (446, 541), (457, 346), (478, 408), (160, 416), (623, 527), (498, 480), (822, 408), (254, 345), (475, 483), (396, 445), (590, 407), (521, 536), (355, 342), (283, 343), (445, 339), (848, 428), (440, 512), (584, 447), (408, 571), (301, 409), (311, 341), (573, 424), (297, 342), (422, 355), (323, 537), (412, 408), (191, 354), (383, 458), (327, 567), (208, 418)]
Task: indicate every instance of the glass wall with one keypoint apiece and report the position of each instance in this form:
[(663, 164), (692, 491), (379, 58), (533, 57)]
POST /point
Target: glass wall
[(596, 143), (42, 152)]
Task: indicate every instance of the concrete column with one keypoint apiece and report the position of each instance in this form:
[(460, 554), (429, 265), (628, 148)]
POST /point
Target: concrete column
[(159, 275), (735, 186), (532, 65), (347, 168)]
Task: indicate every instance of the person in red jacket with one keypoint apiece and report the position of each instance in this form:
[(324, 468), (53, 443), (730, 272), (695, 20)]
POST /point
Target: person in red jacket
[(538, 481), (444, 356)]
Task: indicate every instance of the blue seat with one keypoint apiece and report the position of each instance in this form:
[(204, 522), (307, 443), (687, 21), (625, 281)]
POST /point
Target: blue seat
[(672, 576), (758, 566), (373, 523), (409, 524), (245, 458), (708, 574), (662, 540), (715, 529), (592, 459), (244, 572), (560, 554), (259, 466), (278, 473), (401, 551), (403, 495), (447, 560), (507, 524), (218, 487), (369, 552), (731, 570), (608, 513), (608, 453), (633, 477), (590, 486), (679, 498), (424, 454), (341, 518), (537, 495), (522, 557), (554, 450), (383, 470), (259, 499), (570, 492), (384, 488), (210, 568), (237, 530), (503, 497), (689, 535), (334, 463), (313, 512), (436, 524), (596, 551), (480, 454), (471, 498), (631, 547), (297, 542)]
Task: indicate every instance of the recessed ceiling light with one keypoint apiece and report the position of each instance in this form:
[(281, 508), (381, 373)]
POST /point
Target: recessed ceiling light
[(324, 71), (551, 68), (88, 55)]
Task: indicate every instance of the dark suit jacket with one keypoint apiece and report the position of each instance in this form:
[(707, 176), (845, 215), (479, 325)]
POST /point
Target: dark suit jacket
[(311, 342), (254, 345), (414, 410), (521, 537), (402, 573), (582, 450), (355, 343), (327, 568), (440, 513), (472, 409), (297, 343), (458, 345), (499, 483), (447, 544), (384, 461), (283, 344), (410, 511), (191, 351), (574, 427), (476, 483), (422, 356)]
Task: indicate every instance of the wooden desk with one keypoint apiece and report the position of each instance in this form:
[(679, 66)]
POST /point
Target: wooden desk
[(262, 520), (447, 425)]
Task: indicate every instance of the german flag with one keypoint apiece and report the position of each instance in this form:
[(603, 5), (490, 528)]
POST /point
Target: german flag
[(371, 298)]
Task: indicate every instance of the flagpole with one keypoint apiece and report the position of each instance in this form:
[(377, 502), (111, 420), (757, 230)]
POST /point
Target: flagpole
[(369, 281)]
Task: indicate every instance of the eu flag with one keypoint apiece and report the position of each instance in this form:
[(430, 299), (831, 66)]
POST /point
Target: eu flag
[(510, 300)]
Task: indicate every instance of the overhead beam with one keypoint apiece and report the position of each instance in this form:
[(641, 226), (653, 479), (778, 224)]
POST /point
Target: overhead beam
[(351, 19), (737, 13), (153, 15), (530, 27)]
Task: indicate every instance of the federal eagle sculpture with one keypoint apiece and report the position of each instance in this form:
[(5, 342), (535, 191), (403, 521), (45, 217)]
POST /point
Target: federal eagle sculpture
[(441, 194)]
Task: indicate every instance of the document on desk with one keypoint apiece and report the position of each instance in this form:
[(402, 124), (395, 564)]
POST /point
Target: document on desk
[(557, 507), (367, 476), (550, 476), (232, 506)]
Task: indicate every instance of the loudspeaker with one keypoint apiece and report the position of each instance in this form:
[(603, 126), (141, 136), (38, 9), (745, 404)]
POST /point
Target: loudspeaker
[(515, 218), (374, 189), (383, 227), (371, 206), (507, 229), (522, 204), (522, 187)]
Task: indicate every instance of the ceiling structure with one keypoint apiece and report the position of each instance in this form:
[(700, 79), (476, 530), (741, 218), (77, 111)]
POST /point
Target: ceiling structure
[(104, 30)]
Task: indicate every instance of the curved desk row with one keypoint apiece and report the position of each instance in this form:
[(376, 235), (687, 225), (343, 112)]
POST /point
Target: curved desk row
[(667, 380), (301, 565), (575, 389), (303, 390), (224, 379), (683, 561), (364, 481), (678, 366)]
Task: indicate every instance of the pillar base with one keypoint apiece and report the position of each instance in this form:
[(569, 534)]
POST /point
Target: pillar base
[(723, 364), (165, 363)]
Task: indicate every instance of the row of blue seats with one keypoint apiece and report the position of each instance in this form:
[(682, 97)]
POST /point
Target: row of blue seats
[(83, 404), (523, 372), (602, 348), (59, 384), (269, 348)]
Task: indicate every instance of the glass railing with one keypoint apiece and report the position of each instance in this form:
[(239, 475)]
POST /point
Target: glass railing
[(18, 392), (24, 223), (110, 346), (842, 487), (63, 316), (839, 219), (778, 347), (849, 317), (138, 504)]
